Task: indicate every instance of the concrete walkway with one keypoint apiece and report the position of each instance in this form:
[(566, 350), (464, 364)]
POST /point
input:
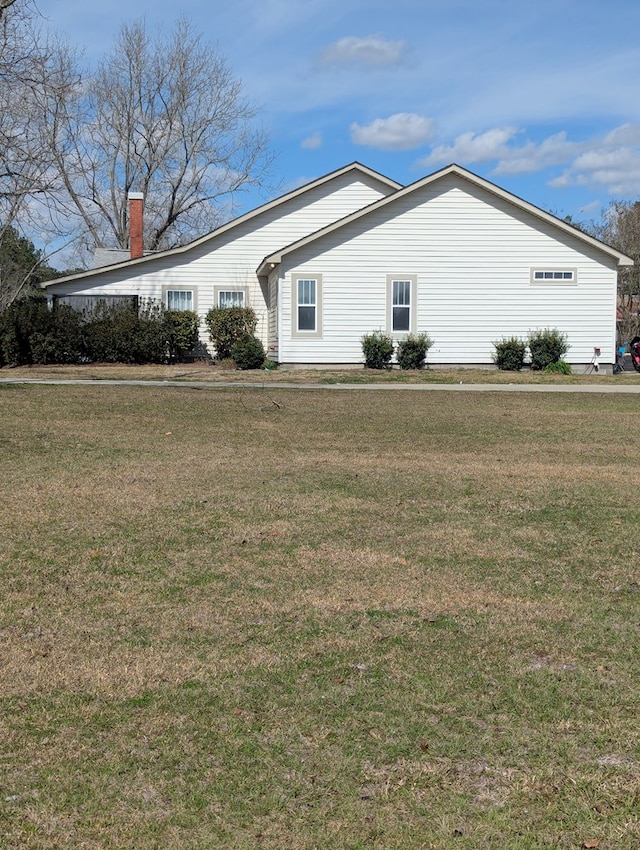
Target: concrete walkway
[(282, 385)]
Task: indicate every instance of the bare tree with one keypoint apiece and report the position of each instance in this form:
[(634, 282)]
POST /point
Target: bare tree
[(165, 117), (619, 226), (4, 5), (26, 174)]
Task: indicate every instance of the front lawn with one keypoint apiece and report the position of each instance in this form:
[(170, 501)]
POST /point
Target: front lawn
[(322, 619)]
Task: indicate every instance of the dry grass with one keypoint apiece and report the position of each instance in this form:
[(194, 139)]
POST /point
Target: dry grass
[(202, 371), (338, 622)]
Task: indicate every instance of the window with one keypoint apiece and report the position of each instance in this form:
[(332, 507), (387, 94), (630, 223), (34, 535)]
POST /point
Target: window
[(231, 298), (87, 303), (401, 306), (179, 299), (401, 303), (554, 276), (306, 306)]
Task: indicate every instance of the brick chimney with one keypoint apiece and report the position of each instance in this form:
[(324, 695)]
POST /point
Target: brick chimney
[(136, 231)]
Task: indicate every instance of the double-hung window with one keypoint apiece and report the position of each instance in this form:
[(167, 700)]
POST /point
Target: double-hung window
[(306, 315), (307, 305), (179, 299), (401, 303), (231, 298)]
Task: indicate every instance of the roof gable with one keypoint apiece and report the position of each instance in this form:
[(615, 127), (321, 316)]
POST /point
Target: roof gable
[(354, 168), (275, 258)]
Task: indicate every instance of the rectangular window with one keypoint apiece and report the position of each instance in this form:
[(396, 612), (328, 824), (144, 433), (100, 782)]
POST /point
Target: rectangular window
[(87, 303), (179, 299), (231, 298), (554, 276), (402, 294), (401, 306), (306, 305)]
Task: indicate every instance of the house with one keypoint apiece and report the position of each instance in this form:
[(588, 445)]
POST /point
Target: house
[(352, 252)]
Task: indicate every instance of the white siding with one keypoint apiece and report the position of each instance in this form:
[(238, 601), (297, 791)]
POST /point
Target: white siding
[(230, 259), (273, 315), (472, 252)]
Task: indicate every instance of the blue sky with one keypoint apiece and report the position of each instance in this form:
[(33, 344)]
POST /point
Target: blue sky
[(539, 97)]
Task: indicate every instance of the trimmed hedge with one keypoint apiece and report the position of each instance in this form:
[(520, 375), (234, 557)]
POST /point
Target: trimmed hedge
[(180, 329), (412, 351), (32, 333), (377, 348), (547, 346), (22, 320), (509, 353), (248, 353), (228, 325)]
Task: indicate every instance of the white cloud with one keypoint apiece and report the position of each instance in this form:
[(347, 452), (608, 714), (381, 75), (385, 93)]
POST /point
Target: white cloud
[(312, 142), (372, 51), (611, 161), (403, 131), (473, 147), (626, 134), (553, 150)]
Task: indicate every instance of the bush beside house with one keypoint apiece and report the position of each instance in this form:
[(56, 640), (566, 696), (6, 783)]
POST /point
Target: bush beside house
[(227, 326), (377, 348), (248, 353), (412, 351), (509, 353), (32, 333), (547, 346)]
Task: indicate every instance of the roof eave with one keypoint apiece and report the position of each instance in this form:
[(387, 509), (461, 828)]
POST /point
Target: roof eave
[(469, 176), (275, 202), (268, 265)]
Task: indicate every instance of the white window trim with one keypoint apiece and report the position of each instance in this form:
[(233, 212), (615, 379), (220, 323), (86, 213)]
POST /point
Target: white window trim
[(180, 288), (317, 333), (218, 289), (554, 281), (413, 306)]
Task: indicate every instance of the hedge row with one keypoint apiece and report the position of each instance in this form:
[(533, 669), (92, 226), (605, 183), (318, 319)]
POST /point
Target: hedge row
[(547, 348), (32, 333), (378, 348)]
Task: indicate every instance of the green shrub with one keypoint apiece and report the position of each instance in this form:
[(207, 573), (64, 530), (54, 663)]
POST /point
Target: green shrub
[(560, 367), (109, 333), (248, 353), (509, 353), (150, 344), (271, 365), (121, 333), (9, 342), (180, 330), (63, 342), (227, 325), (547, 346), (412, 351), (18, 324), (30, 332), (377, 348)]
